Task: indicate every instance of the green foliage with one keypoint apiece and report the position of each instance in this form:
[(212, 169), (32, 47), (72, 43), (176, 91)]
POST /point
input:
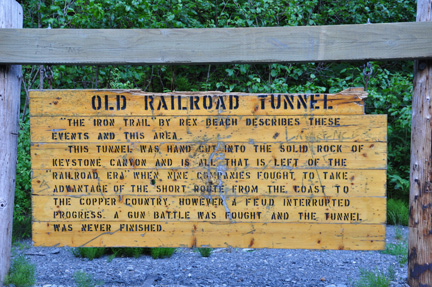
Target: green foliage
[(127, 251), (393, 97), (396, 249), (88, 252), (162, 252), (399, 233), (397, 212), (83, 279), (400, 250), (22, 208), (403, 259), (205, 252), (111, 258), (22, 273), (375, 278), (20, 245), (210, 14), (96, 252)]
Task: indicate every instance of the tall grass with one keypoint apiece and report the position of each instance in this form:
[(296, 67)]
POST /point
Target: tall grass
[(96, 252), (397, 212), (88, 252), (162, 252), (400, 250), (21, 274), (83, 279), (205, 252), (375, 278)]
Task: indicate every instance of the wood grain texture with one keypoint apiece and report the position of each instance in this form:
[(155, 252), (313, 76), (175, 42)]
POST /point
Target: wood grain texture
[(205, 234), (11, 16), (58, 156), (146, 182), (221, 45), (420, 221), (260, 209), (81, 102), (240, 129)]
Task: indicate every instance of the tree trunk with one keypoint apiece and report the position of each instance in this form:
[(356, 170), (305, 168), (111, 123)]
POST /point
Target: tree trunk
[(11, 16), (420, 225)]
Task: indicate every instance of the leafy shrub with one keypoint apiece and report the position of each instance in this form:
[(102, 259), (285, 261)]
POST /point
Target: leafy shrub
[(22, 273), (391, 94), (397, 212), (22, 208), (88, 252)]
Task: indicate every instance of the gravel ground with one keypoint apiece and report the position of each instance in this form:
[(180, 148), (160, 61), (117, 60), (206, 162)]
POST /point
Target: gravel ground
[(225, 267)]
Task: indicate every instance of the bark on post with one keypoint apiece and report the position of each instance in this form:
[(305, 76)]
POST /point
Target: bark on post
[(420, 226), (11, 16)]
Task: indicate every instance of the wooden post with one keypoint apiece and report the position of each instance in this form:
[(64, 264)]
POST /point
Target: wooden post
[(420, 225), (11, 16)]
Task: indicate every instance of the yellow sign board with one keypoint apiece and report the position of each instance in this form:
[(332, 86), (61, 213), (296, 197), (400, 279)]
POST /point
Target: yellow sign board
[(207, 169)]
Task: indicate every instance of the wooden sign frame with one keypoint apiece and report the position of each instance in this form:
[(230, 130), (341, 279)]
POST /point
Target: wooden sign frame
[(128, 168)]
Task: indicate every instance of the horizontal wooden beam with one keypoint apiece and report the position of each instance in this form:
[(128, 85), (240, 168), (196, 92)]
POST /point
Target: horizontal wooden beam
[(391, 41)]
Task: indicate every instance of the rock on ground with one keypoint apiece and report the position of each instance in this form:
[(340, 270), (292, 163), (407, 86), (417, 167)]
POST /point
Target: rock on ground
[(225, 267)]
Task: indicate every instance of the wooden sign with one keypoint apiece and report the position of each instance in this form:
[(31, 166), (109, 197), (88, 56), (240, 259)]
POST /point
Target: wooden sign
[(207, 169)]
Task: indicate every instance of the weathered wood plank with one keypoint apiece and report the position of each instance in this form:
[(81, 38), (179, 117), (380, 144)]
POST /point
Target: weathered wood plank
[(224, 45), (138, 103), (217, 209), (420, 220), (341, 155), (349, 183), (11, 16), (195, 129), (204, 234)]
